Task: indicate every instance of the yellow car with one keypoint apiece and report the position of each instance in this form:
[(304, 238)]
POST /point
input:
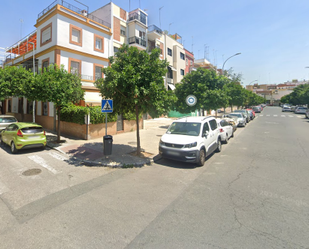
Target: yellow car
[(23, 136)]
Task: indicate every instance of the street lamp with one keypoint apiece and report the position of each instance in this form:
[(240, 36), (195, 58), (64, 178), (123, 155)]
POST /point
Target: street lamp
[(227, 60), (33, 105)]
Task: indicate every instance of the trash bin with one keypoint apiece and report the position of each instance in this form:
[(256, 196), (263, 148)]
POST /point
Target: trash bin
[(107, 144)]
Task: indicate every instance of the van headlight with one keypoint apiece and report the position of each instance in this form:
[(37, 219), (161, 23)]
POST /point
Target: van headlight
[(191, 145), (161, 142)]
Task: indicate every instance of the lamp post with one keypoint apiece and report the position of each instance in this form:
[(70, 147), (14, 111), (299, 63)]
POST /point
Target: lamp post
[(160, 15), (252, 82), (227, 60), (33, 105)]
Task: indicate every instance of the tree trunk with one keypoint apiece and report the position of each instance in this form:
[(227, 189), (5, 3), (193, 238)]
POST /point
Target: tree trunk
[(58, 131), (138, 150)]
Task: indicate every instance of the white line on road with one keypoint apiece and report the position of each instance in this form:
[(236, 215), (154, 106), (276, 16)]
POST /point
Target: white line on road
[(283, 116), (39, 160), (261, 115), (275, 115), (57, 156)]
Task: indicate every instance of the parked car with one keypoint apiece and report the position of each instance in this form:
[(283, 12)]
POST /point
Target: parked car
[(300, 110), (307, 113), (6, 120), (191, 139), (232, 121), (241, 119), (23, 136), (246, 114), (253, 112), (226, 130), (257, 109), (286, 108), (293, 108)]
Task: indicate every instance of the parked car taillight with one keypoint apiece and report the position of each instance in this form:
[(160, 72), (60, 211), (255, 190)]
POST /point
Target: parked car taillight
[(221, 130), (19, 133), (44, 133)]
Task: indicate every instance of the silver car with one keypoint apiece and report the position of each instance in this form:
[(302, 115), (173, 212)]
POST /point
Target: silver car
[(241, 119), (6, 120)]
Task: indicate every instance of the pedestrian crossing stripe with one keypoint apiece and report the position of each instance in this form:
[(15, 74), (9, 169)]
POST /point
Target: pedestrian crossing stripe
[(107, 105)]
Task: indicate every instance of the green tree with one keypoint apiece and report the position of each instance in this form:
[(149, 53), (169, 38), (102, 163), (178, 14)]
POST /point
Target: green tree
[(237, 94), (135, 83), (12, 82), (206, 85), (56, 85)]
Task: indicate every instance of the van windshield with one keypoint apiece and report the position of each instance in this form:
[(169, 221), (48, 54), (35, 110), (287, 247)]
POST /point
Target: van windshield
[(184, 128)]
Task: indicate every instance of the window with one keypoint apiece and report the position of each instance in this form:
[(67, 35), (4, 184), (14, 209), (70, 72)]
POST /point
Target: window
[(182, 72), (98, 74), (116, 49), (213, 124), (205, 128), (75, 66), (46, 34), (182, 56), (170, 73), (123, 30), (98, 43), (76, 35), (45, 63), (169, 51), (45, 108), (142, 34)]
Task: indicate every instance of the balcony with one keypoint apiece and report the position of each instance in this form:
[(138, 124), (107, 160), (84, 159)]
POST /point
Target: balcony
[(154, 32), (138, 16), (137, 40), (74, 9)]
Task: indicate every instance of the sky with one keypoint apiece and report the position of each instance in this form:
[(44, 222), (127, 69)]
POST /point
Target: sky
[(271, 35)]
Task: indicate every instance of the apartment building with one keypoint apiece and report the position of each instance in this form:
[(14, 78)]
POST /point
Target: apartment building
[(189, 57), (69, 36)]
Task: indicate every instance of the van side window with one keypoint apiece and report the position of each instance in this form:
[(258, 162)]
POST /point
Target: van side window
[(213, 124), (205, 128)]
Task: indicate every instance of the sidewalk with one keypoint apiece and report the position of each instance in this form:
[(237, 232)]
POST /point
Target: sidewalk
[(90, 152)]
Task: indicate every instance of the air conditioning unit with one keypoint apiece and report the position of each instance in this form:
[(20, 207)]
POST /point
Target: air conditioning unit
[(84, 12)]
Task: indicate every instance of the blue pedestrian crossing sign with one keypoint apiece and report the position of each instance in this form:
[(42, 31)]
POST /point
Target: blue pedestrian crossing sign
[(107, 105)]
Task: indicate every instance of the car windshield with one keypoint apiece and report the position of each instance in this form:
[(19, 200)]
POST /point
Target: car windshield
[(235, 115), (184, 128), (7, 120)]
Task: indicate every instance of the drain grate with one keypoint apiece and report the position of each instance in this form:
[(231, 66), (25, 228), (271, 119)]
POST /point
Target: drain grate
[(32, 172)]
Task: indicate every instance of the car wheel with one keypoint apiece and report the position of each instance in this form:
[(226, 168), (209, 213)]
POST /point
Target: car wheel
[(13, 148), (226, 138), (202, 157), (219, 145)]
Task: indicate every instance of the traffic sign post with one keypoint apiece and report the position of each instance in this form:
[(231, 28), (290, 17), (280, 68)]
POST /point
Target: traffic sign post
[(107, 107)]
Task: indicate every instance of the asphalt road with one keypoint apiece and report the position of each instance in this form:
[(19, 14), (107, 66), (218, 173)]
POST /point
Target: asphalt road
[(254, 194)]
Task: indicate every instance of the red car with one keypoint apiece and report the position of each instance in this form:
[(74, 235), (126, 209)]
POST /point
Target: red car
[(253, 112)]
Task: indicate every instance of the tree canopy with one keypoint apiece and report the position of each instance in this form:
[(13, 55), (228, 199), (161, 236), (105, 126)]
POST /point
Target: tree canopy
[(135, 82)]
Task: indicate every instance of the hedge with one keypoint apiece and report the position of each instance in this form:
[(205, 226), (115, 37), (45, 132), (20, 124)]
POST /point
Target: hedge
[(76, 114)]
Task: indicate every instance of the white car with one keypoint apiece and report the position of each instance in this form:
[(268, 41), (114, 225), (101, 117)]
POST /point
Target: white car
[(191, 139), (226, 130), (300, 110), (241, 119), (307, 113)]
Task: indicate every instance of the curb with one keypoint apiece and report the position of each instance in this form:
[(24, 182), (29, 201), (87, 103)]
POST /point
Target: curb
[(110, 165)]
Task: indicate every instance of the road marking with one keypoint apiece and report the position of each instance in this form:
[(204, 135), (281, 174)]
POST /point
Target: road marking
[(299, 116), (291, 116), (57, 156), (39, 160), (267, 115), (275, 115), (283, 116), (261, 115)]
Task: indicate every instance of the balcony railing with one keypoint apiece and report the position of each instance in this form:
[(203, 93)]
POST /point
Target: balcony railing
[(154, 28), (137, 40), (136, 16), (75, 9)]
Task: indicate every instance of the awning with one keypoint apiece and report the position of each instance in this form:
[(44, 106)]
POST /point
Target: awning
[(172, 87), (174, 69)]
